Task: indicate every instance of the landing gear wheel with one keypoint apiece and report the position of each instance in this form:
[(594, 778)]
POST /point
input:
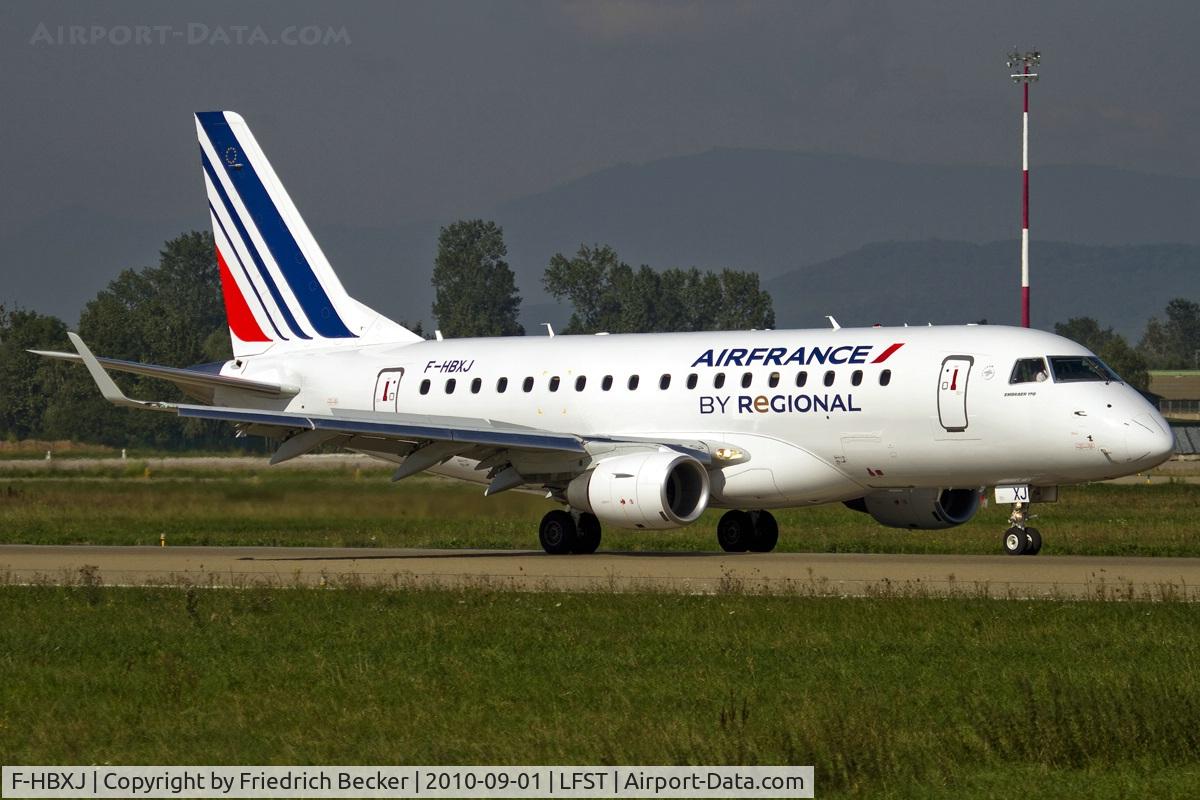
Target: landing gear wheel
[(587, 534), (1015, 541), (735, 532), (557, 532), (1033, 541), (766, 532)]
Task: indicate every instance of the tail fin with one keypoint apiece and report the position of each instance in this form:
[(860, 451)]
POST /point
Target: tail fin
[(278, 285)]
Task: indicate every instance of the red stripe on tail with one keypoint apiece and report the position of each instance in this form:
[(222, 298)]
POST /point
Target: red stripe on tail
[(240, 317), (886, 354)]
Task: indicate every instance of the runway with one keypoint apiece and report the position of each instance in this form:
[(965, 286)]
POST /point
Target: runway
[(801, 573)]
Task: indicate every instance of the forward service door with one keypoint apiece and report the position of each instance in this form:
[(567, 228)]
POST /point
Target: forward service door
[(386, 389), (952, 392)]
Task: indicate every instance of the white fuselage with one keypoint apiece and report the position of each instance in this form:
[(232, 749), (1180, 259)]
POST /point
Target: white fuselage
[(947, 417)]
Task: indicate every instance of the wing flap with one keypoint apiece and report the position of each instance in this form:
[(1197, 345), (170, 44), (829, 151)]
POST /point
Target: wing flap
[(397, 426)]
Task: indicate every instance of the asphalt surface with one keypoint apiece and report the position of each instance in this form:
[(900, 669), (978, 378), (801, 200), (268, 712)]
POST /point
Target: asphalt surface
[(804, 573)]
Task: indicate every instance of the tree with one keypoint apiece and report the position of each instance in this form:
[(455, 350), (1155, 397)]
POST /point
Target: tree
[(170, 314), (1110, 346), (475, 290), (28, 382), (607, 294), (1173, 343)]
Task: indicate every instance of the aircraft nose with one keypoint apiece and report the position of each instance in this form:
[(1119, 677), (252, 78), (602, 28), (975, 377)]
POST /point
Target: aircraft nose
[(1149, 439)]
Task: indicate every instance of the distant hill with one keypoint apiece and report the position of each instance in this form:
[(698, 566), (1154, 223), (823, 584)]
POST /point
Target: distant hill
[(772, 211), (954, 282), (769, 211)]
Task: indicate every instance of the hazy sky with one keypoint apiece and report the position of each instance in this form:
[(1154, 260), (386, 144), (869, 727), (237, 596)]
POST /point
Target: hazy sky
[(435, 109)]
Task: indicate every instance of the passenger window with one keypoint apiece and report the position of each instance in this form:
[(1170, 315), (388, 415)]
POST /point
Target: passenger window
[(580, 382), (528, 385), (801, 378), (829, 378), (746, 379), (554, 384), (450, 384), (606, 384), (633, 382), (476, 385), (885, 377), (425, 386), (691, 381), (664, 382), (1029, 370), (773, 381), (502, 385), (856, 377), (718, 380)]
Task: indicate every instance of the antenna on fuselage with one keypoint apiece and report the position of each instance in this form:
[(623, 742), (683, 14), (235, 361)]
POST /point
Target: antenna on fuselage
[(437, 334), (833, 323), (549, 329)]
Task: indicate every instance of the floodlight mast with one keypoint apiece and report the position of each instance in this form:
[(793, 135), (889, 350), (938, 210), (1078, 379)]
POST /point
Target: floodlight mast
[(1024, 77)]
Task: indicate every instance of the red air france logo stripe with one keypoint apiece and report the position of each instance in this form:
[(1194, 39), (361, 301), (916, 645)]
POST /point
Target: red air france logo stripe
[(886, 354), (237, 312)]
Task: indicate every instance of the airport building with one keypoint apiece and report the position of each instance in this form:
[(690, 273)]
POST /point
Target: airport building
[(1178, 396)]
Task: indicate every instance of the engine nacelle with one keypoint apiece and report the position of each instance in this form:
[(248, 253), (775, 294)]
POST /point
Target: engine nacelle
[(649, 491), (922, 509)]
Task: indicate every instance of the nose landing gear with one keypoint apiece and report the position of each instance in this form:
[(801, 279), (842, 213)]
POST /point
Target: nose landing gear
[(1020, 539)]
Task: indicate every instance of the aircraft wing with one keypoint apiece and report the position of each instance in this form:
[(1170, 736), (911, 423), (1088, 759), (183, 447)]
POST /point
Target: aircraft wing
[(194, 382), (513, 455), (422, 440)]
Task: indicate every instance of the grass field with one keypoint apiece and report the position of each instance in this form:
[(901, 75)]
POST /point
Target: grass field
[(887, 698), (127, 504)]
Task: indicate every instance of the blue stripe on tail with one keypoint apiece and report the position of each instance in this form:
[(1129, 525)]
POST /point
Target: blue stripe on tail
[(245, 272), (287, 254), (258, 262)]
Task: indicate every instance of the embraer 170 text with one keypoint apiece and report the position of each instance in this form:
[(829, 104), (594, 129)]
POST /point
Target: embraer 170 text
[(644, 431)]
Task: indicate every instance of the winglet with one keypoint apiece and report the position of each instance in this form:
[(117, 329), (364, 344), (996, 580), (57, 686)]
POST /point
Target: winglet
[(112, 393)]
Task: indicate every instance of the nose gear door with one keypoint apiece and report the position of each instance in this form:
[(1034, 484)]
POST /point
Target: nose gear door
[(952, 392)]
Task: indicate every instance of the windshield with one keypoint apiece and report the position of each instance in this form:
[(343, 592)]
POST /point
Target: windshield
[(1071, 369), (1028, 370)]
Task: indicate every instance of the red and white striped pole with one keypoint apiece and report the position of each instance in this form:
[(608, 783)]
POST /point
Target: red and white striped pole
[(1024, 77)]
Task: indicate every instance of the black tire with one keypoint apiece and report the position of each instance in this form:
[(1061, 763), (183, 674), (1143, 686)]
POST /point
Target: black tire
[(557, 532), (1015, 541), (766, 532), (1033, 541), (735, 531), (587, 534)]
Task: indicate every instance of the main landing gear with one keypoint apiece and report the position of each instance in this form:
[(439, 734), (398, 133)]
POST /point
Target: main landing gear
[(562, 532), (755, 531), (1019, 539)]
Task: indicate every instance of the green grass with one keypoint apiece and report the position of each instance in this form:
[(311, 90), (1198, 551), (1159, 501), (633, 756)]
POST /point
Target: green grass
[(886, 697), (120, 504)]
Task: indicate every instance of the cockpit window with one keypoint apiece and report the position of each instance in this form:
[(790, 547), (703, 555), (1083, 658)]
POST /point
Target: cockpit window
[(1028, 370), (1072, 369)]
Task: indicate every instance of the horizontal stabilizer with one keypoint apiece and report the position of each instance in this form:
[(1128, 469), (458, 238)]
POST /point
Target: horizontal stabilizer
[(195, 383)]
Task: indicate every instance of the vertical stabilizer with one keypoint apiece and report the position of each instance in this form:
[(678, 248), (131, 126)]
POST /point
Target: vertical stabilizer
[(279, 288)]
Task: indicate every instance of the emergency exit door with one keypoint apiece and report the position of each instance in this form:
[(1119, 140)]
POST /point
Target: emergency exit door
[(386, 389), (952, 392)]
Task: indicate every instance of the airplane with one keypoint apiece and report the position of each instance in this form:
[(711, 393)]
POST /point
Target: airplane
[(644, 431)]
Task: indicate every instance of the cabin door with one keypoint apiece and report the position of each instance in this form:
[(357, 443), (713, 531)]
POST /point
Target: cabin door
[(386, 386), (952, 392)]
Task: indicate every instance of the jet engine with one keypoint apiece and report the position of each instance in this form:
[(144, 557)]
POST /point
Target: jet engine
[(921, 509), (646, 490)]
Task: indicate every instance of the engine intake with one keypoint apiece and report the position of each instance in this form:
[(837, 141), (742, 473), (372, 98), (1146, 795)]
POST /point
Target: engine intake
[(921, 509), (650, 491)]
